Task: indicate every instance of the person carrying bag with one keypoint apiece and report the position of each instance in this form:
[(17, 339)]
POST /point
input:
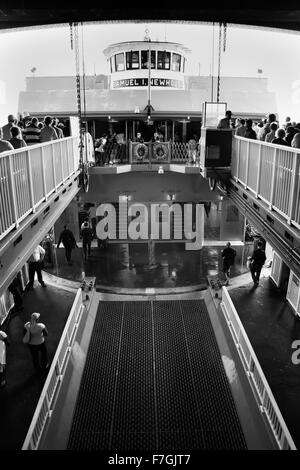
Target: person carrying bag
[(34, 337)]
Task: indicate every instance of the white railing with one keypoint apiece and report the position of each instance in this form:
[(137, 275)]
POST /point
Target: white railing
[(55, 376), (28, 176), (258, 381), (271, 172)]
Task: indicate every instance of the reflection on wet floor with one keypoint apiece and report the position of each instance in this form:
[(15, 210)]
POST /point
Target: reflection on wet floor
[(129, 265)]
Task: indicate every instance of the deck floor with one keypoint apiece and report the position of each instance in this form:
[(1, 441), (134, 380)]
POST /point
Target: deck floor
[(154, 380)]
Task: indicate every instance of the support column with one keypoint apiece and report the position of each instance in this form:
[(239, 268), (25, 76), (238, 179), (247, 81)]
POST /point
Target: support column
[(124, 254), (151, 255)]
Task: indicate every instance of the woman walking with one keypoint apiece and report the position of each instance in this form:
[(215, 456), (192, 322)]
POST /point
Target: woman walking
[(35, 338)]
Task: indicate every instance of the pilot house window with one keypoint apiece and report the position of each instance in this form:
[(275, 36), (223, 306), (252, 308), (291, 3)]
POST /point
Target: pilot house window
[(163, 60), (132, 60), (176, 62), (144, 58), (120, 63)]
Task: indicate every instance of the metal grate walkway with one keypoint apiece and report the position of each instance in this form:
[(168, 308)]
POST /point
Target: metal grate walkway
[(154, 380)]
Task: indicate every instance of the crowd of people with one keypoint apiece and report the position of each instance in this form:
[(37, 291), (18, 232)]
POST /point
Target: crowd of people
[(18, 133), (268, 129)]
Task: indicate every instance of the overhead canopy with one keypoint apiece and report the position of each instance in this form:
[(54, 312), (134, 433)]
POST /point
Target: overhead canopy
[(283, 15)]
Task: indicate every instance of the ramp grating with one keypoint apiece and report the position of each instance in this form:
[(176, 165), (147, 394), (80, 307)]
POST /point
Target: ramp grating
[(154, 380)]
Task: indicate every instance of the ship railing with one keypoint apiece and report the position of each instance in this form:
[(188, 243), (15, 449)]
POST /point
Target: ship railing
[(55, 376), (261, 389), (29, 175), (271, 172)]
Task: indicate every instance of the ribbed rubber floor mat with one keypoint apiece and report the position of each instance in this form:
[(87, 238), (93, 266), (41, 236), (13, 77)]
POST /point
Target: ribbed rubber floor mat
[(154, 380)]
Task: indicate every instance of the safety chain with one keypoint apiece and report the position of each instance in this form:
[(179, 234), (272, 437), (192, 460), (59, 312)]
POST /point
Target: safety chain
[(71, 35), (77, 71), (224, 36), (219, 62)]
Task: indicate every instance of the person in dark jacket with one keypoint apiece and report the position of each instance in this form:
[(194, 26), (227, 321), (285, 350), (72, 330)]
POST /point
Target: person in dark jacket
[(87, 235), (279, 139), (249, 132), (228, 255), (68, 240), (257, 261), (15, 288)]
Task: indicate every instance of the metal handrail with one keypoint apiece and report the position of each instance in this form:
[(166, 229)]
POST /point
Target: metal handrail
[(271, 172), (49, 393), (29, 175), (258, 381)]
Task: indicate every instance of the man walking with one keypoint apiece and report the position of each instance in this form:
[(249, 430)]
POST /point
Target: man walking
[(35, 266), (87, 235), (228, 255), (257, 261), (68, 240)]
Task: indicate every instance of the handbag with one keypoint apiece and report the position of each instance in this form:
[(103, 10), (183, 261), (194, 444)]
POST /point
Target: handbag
[(26, 337)]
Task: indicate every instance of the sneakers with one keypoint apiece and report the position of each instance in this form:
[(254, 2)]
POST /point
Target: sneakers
[(43, 285)]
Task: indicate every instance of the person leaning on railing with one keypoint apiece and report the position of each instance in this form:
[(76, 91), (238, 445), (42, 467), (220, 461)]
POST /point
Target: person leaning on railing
[(279, 138), (48, 132), (4, 144), (250, 132), (16, 141), (32, 132), (296, 141)]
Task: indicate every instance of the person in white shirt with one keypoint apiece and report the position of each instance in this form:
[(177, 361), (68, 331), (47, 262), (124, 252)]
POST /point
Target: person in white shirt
[(3, 343), (35, 266), (36, 343), (272, 134), (241, 129)]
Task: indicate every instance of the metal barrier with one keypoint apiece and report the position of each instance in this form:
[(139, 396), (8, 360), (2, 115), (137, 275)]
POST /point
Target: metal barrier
[(159, 152), (263, 393), (271, 172), (28, 176), (55, 376)]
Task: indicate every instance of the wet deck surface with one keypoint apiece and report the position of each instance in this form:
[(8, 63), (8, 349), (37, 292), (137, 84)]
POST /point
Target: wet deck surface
[(267, 318)]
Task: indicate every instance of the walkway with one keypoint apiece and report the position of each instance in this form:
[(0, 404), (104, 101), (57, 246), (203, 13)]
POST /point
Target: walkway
[(271, 326), (18, 399)]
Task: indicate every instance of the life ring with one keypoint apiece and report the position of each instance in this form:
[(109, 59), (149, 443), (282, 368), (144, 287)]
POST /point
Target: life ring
[(140, 151), (160, 151)]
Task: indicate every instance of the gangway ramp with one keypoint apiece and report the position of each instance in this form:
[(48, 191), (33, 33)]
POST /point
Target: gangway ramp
[(154, 379)]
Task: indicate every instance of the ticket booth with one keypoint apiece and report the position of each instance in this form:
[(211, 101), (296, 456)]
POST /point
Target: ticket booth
[(215, 144)]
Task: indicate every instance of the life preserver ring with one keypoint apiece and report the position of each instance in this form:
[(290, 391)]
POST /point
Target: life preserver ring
[(160, 151), (140, 151)]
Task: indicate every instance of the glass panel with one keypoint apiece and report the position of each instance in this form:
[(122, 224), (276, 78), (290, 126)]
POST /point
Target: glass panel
[(132, 60), (144, 59), (212, 113), (120, 63), (163, 60), (112, 65), (176, 62)]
